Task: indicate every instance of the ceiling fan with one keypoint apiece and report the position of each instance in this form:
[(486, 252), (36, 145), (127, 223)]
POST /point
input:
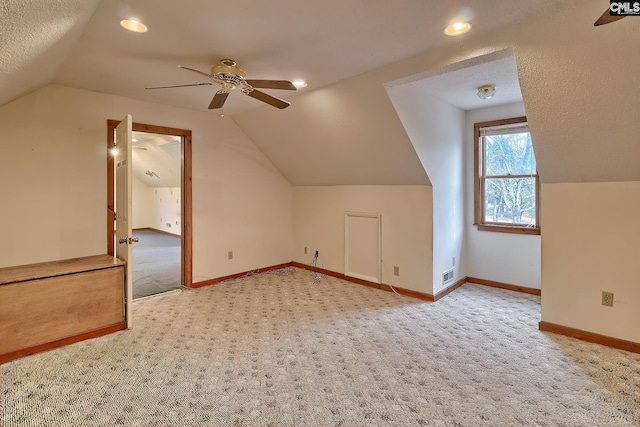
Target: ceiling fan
[(230, 77), (607, 18)]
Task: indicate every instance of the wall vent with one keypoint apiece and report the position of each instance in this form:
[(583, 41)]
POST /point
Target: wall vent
[(447, 276)]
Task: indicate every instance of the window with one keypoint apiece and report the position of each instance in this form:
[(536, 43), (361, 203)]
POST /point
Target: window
[(506, 178)]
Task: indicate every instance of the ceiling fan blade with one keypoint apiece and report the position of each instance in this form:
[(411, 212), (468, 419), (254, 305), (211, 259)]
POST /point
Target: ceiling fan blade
[(172, 86), (607, 18), (271, 100), (272, 84), (218, 100), (195, 71)]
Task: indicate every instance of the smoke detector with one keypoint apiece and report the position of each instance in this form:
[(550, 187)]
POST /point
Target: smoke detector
[(486, 91)]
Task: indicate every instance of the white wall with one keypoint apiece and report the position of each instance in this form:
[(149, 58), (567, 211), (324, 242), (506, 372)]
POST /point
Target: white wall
[(318, 223), (53, 175), (435, 129), (141, 204), (589, 245), (501, 257), (165, 209)]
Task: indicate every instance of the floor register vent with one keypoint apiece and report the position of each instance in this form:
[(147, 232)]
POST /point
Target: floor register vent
[(447, 276)]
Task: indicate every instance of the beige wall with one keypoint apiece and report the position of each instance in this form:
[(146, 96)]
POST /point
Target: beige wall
[(590, 244), (347, 133), (53, 174), (406, 211)]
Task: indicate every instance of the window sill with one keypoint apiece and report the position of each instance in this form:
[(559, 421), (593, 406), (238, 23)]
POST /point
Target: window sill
[(509, 229)]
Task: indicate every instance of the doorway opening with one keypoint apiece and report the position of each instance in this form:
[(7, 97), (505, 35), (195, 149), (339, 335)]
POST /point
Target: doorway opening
[(161, 220)]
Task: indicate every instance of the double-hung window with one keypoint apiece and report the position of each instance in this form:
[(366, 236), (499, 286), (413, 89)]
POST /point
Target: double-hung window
[(506, 178)]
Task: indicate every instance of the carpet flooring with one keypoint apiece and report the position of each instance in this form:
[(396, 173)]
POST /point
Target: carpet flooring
[(156, 263), (273, 349)]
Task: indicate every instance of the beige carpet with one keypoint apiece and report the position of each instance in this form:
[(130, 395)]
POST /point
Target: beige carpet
[(276, 350)]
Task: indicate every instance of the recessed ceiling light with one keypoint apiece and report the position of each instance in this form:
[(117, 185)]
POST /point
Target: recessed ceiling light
[(486, 91), (457, 28), (133, 24), (299, 83)]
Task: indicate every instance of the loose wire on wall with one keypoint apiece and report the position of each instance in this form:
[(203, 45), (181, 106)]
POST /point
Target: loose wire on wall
[(249, 273), (386, 268), (314, 264)]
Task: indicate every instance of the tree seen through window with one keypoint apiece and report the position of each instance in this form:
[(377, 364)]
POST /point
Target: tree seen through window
[(510, 200), (507, 180)]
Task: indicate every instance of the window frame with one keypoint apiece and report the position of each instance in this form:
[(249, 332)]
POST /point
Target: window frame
[(480, 177)]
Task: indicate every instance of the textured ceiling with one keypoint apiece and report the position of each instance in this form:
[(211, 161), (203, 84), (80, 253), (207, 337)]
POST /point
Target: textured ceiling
[(35, 38), (578, 81), (321, 42), (457, 84)]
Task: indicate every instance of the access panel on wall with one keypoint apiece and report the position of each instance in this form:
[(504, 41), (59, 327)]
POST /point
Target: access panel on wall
[(363, 248)]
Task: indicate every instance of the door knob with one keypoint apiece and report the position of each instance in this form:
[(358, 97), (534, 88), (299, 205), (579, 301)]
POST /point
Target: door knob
[(128, 240)]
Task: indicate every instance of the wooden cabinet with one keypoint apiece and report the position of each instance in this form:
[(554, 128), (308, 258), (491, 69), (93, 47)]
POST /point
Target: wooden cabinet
[(48, 305)]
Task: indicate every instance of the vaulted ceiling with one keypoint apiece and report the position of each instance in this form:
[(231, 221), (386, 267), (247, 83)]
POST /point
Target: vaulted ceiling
[(157, 159), (577, 80), (322, 42)]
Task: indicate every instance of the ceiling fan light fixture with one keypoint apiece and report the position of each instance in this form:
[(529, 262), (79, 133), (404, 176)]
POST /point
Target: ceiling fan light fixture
[(299, 83), (134, 24), (486, 91), (457, 28), (228, 87)]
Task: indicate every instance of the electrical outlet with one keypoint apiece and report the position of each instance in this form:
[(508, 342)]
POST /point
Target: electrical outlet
[(396, 271), (230, 255), (607, 298), (305, 250), (453, 261)]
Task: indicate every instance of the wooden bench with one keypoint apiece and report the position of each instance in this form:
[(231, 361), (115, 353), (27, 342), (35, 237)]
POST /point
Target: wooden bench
[(51, 304)]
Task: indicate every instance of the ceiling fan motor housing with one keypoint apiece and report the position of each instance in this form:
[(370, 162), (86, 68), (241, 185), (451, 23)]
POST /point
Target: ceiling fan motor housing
[(227, 72)]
